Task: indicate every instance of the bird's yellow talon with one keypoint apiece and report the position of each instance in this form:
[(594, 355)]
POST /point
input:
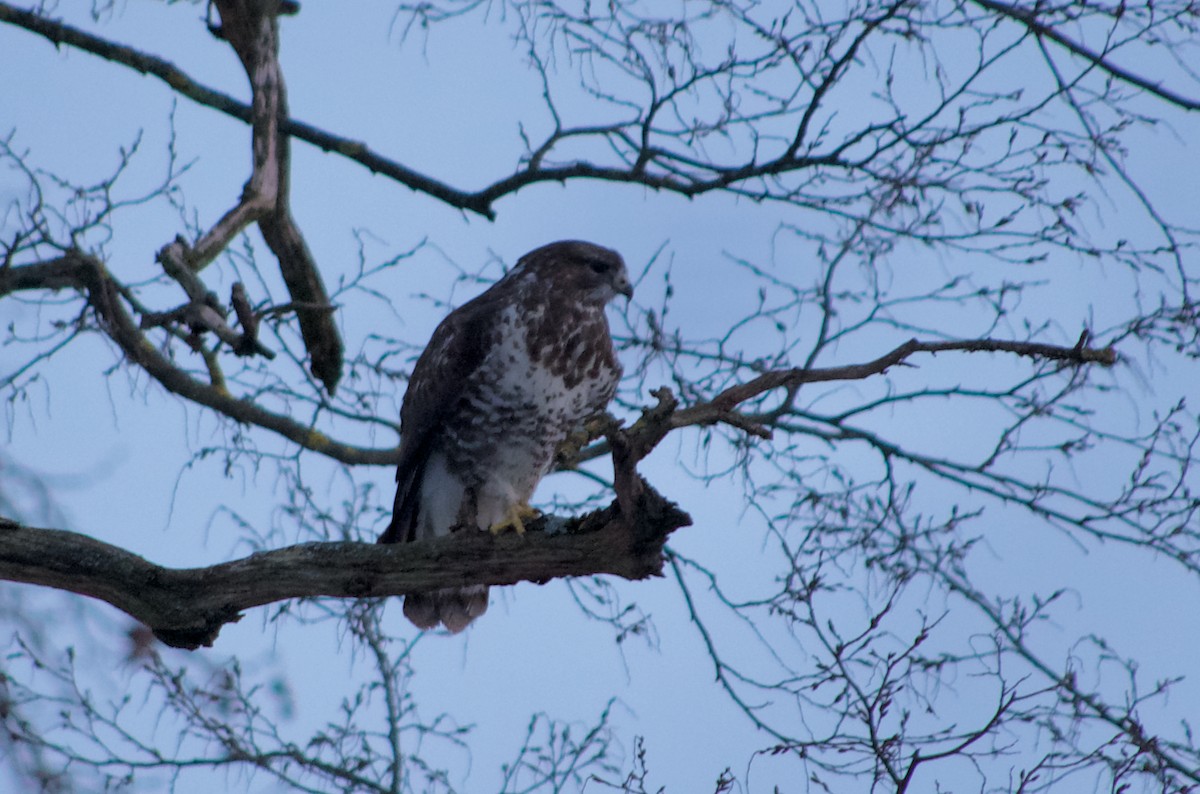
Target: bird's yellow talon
[(515, 519)]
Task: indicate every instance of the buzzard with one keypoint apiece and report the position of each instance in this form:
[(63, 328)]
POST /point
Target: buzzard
[(505, 379)]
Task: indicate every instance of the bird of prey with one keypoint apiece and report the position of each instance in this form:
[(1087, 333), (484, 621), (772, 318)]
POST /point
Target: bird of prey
[(505, 379)]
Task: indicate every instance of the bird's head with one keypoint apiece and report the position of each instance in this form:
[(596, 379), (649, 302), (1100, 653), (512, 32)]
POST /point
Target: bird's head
[(590, 271)]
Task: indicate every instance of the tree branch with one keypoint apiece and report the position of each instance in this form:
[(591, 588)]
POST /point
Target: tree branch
[(179, 81), (186, 608), (482, 201), (76, 270), (1029, 19), (252, 28), (88, 274), (656, 422)]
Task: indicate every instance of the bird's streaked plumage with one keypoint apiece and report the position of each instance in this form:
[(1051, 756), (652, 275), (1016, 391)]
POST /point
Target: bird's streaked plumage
[(504, 380)]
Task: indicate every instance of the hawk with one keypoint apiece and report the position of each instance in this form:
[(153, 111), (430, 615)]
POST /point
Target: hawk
[(505, 379)]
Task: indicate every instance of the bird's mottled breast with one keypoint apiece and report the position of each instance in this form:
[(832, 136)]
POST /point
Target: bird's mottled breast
[(548, 370)]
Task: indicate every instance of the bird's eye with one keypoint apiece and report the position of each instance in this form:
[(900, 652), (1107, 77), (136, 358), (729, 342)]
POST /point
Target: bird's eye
[(598, 265)]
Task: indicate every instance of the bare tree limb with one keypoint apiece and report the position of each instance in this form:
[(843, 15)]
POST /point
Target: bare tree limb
[(88, 275), (656, 422), (186, 608), (1030, 20), (252, 29), (179, 81)]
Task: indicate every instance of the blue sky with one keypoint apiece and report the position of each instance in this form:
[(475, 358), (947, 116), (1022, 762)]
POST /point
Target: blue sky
[(118, 452)]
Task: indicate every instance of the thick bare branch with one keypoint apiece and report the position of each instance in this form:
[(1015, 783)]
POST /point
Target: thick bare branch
[(88, 275), (252, 29), (183, 84), (186, 608)]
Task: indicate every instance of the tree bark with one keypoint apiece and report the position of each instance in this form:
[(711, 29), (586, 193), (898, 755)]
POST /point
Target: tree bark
[(186, 608)]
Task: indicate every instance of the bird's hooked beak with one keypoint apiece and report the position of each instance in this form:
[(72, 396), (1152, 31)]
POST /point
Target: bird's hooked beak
[(623, 286)]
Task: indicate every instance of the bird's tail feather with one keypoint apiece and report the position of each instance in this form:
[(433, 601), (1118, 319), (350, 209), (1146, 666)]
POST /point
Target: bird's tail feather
[(396, 531), (453, 607)]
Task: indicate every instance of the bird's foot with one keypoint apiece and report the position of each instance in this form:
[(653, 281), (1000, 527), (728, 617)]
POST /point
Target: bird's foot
[(515, 519)]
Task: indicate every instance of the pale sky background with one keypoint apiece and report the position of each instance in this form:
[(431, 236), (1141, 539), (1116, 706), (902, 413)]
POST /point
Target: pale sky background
[(116, 451)]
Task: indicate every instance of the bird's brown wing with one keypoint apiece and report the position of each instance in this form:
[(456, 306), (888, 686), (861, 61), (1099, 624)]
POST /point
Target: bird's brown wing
[(457, 348)]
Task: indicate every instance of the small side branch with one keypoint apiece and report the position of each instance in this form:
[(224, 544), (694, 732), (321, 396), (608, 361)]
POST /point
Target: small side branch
[(1079, 354), (656, 422), (209, 317)]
